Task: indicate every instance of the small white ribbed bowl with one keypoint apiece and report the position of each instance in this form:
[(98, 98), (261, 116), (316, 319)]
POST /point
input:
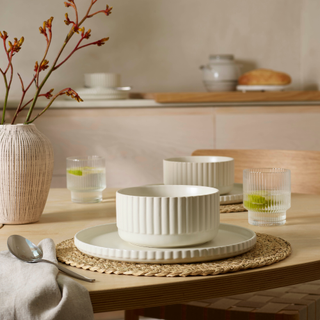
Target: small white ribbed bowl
[(210, 171), (168, 216), (102, 80)]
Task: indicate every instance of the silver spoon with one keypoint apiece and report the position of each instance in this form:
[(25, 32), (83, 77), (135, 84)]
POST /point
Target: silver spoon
[(25, 250)]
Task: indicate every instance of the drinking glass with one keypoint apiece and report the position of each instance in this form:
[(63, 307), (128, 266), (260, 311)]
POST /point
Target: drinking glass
[(86, 178), (267, 195)]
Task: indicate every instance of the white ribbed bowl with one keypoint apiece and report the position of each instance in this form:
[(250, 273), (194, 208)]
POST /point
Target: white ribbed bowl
[(167, 216), (216, 172), (102, 80)]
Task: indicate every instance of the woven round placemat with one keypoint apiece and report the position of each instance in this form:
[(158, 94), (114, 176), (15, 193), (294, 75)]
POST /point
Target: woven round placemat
[(268, 250), (228, 208)]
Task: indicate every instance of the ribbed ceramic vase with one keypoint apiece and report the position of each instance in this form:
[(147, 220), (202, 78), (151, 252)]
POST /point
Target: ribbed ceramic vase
[(26, 165)]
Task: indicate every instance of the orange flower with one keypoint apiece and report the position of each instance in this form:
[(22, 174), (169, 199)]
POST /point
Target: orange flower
[(36, 66), (67, 21), (48, 95), (87, 34), (16, 45), (44, 65), (102, 41), (46, 25), (69, 4), (77, 29), (70, 92), (3, 35), (49, 23), (108, 10)]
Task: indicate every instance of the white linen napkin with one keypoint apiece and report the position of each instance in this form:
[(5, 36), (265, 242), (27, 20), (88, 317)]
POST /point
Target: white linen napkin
[(37, 291)]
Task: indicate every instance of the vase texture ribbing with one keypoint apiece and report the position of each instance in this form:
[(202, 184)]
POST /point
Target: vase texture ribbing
[(26, 166)]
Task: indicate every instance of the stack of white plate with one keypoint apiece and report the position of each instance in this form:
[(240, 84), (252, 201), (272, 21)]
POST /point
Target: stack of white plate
[(104, 93), (103, 86), (245, 88)]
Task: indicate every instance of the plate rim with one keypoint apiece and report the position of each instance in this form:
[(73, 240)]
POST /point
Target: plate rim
[(167, 255), (274, 87), (231, 198)]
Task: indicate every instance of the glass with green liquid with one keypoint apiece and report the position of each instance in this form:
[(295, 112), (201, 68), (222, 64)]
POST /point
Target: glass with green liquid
[(267, 195), (86, 178)]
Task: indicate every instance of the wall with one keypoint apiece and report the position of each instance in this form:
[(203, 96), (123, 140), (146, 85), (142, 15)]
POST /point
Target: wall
[(159, 45)]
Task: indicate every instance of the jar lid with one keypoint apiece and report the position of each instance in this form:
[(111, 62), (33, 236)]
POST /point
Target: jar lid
[(221, 57)]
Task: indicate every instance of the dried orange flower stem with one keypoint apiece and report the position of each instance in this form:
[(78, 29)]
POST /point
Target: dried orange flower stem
[(9, 54), (67, 91), (47, 25), (41, 66), (24, 91), (74, 29)]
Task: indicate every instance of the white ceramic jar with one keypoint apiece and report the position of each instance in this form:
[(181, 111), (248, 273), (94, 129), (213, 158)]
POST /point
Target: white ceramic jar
[(221, 73)]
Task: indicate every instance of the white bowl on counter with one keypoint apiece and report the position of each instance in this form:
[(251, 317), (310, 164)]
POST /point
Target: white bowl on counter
[(210, 171), (168, 215)]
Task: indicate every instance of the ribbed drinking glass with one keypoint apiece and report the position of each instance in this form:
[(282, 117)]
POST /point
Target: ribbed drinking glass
[(86, 178), (267, 195)]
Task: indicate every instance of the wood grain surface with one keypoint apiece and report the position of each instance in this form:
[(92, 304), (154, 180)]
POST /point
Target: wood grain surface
[(236, 96), (62, 219), (304, 165)]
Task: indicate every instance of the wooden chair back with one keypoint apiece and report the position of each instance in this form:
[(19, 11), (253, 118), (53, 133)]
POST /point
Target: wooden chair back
[(304, 165)]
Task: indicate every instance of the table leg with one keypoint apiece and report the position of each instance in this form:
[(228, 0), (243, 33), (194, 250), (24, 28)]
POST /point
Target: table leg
[(131, 314)]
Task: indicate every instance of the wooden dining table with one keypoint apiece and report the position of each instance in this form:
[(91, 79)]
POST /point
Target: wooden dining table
[(62, 219)]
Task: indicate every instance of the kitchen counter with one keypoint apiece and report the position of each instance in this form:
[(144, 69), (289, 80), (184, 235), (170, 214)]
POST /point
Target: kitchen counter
[(189, 99)]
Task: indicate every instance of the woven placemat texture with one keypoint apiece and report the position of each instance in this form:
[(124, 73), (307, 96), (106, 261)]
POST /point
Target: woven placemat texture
[(228, 208), (268, 250)]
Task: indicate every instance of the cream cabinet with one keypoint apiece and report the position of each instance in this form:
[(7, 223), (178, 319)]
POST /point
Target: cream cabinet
[(286, 128), (135, 140)]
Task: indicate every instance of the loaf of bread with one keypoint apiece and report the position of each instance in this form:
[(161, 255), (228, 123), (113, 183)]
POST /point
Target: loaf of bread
[(264, 77)]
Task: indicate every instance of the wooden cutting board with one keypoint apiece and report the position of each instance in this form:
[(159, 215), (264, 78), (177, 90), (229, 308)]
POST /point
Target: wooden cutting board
[(236, 96)]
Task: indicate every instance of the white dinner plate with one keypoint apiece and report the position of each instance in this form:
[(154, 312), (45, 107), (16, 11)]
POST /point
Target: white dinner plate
[(104, 242), (245, 88), (234, 196)]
